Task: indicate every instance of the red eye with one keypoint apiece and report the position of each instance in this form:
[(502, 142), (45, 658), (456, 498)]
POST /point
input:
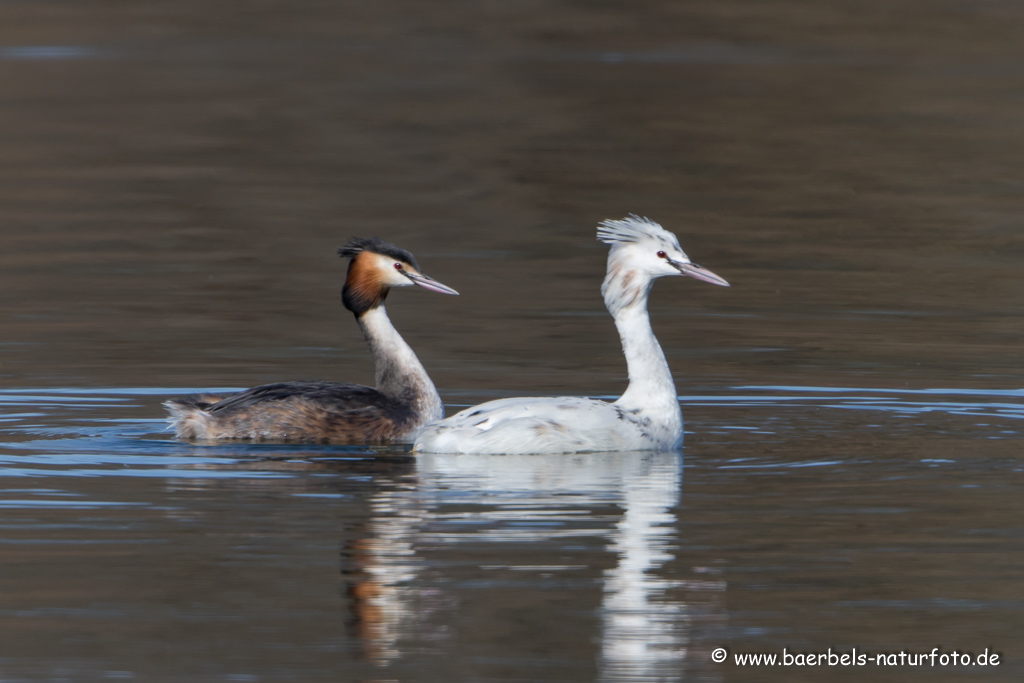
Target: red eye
[(398, 266), (662, 254)]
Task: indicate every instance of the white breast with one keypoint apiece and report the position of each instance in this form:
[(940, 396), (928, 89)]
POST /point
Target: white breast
[(543, 425)]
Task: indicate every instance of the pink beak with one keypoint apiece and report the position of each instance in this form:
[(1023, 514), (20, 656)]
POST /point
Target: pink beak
[(700, 273), (430, 283)]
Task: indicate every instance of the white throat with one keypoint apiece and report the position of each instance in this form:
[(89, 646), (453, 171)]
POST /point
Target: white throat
[(651, 390), (399, 373)]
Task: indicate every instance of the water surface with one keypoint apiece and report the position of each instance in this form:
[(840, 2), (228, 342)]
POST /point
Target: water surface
[(797, 517), (176, 177)]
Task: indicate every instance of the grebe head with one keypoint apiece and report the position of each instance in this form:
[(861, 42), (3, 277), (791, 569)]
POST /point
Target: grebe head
[(641, 245), (376, 266)]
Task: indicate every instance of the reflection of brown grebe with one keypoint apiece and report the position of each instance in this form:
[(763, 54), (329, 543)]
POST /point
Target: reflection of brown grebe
[(379, 571), (368, 610), (324, 412)]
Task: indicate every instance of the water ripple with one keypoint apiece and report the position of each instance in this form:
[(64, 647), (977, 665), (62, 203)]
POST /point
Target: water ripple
[(120, 432), (773, 409), (48, 52)]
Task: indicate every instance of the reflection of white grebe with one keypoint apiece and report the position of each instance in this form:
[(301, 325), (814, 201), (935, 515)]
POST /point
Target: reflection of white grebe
[(403, 401), (645, 634), (645, 631), (646, 417)]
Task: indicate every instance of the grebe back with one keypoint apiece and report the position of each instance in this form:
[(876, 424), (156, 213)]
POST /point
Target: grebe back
[(646, 417), (330, 412)]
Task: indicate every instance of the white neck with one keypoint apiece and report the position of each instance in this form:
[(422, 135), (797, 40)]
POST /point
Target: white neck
[(399, 372), (651, 389)]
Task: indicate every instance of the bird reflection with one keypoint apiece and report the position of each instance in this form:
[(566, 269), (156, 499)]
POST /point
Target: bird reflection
[(381, 568), (645, 634), (645, 631)]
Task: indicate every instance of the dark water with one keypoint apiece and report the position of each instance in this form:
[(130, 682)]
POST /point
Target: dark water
[(175, 178)]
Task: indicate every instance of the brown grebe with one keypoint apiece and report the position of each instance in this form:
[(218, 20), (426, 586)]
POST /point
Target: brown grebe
[(330, 412)]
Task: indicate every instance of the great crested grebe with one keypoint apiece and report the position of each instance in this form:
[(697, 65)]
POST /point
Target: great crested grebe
[(330, 412), (646, 417)]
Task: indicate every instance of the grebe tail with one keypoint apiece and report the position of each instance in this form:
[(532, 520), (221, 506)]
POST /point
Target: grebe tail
[(646, 417), (403, 400)]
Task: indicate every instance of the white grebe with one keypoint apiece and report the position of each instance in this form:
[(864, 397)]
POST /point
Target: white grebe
[(646, 417), (329, 412)]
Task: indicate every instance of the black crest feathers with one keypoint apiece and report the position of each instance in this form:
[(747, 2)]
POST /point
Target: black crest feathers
[(357, 245)]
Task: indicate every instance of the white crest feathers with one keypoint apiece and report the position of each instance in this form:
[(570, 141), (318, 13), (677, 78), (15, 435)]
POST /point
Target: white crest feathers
[(633, 228)]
